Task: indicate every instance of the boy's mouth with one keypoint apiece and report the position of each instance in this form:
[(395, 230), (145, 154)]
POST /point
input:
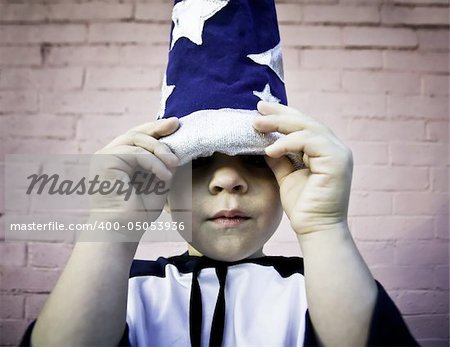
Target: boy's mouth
[(229, 218)]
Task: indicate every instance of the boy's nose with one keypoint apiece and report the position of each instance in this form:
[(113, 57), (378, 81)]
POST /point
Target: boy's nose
[(229, 179)]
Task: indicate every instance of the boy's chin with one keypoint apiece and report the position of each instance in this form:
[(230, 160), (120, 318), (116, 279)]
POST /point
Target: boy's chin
[(229, 254)]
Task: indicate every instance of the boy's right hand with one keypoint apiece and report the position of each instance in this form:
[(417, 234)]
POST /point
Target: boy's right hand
[(135, 153)]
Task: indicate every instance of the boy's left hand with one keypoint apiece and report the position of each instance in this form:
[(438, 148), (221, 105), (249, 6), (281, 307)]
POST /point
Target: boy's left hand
[(314, 198)]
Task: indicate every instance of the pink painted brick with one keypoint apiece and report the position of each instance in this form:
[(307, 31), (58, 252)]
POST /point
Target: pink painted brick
[(313, 1), (370, 204), (67, 11), (340, 14), (61, 127), (404, 277), (83, 55), (154, 11), (360, 2), (414, 61), (423, 253), (40, 146), (377, 253), (435, 85), (440, 179), (57, 79), (414, 16), (129, 32), (312, 80), (2, 227), (12, 253), (289, 13), (144, 55), (92, 145), (333, 104), (434, 40), (34, 304), (387, 130), (420, 203), (390, 178), (362, 105), (380, 82), (53, 255), (314, 36), (324, 112), (418, 153), (93, 127), (12, 12), (441, 225), (18, 101), (291, 58), (337, 59), (2, 189), (123, 78), (29, 280), (11, 331), (369, 153), (53, 33), (19, 56), (421, 2), (100, 102), (418, 107), (12, 306), (434, 342), (429, 325), (423, 302), (438, 131), (392, 228), (379, 37), (441, 277), (94, 135), (96, 10)]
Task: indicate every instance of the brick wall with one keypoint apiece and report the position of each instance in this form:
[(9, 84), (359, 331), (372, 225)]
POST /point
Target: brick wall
[(74, 74)]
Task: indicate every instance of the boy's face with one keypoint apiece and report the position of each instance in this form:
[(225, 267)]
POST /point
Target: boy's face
[(235, 206)]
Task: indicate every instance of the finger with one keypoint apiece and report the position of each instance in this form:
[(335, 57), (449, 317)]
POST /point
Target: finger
[(288, 123), (156, 147), (132, 156), (266, 108), (305, 160), (281, 167), (284, 124), (156, 129), (159, 128), (148, 143), (311, 144)]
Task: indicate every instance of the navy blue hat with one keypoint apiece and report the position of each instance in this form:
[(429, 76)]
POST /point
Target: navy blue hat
[(225, 56)]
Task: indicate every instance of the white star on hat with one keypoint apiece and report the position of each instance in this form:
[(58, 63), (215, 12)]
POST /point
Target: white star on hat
[(166, 91), (272, 58), (189, 17), (266, 95)]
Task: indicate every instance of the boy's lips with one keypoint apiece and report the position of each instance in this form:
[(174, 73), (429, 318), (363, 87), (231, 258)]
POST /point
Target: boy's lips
[(229, 218)]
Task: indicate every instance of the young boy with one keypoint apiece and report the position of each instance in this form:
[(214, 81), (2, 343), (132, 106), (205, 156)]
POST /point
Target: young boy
[(237, 207), (224, 291)]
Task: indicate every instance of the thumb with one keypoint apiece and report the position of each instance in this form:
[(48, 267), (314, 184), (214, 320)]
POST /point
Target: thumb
[(281, 167)]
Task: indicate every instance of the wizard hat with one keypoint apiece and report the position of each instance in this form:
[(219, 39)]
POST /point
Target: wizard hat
[(224, 57)]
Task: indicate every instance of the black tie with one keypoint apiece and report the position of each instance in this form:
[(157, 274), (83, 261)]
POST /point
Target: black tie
[(195, 309)]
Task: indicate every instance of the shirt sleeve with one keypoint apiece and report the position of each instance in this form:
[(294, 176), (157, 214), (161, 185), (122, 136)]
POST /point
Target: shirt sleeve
[(26, 338), (387, 327)]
